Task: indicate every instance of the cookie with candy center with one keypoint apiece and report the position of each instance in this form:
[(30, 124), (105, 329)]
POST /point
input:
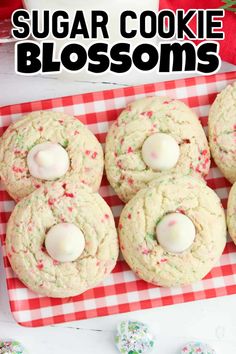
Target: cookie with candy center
[(48, 146), (222, 131), (173, 232), (153, 137), (61, 240)]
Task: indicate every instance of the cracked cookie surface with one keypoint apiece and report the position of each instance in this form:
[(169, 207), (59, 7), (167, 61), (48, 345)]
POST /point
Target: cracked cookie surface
[(137, 231), (125, 168), (84, 151), (231, 213), (57, 203), (222, 131)]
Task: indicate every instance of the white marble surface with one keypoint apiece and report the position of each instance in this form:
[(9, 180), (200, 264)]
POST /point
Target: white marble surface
[(212, 321)]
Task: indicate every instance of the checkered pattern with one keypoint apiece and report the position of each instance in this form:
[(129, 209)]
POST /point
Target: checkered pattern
[(122, 291)]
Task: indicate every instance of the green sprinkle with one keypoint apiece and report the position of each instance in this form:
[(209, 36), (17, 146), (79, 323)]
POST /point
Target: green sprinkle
[(65, 143), (150, 236)]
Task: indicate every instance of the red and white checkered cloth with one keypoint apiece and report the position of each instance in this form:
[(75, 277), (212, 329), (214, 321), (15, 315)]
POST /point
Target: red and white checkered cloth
[(122, 291)]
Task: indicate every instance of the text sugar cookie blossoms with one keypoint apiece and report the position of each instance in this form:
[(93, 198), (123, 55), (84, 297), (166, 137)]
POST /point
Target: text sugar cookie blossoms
[(61, 240), (173, 232), (152, 137), (48, 146)]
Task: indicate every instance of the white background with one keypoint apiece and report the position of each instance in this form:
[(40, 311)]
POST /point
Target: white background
[(212, 321)]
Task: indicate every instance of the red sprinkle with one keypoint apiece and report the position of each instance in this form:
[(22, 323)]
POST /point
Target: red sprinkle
[(106, 216), (204, 152), (120, 226), (146, 251), (69, 195), (87, 152), (70, 209), (51, 201), (130, 181), (17, 169), (129, 216), (197, 169), (40, 129), (16, 152), (55, 262), (149, 114), (119, 164), (186, 141), (130, 150), (40, 265), (94, 155)]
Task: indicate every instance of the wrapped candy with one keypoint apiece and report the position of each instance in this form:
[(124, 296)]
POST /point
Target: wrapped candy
[(134, 338), (11, 347)]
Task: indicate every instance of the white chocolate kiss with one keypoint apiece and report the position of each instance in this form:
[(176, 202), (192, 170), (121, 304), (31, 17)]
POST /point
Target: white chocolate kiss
[(48, 161), (160, 151), (65, 242), (175, 232)]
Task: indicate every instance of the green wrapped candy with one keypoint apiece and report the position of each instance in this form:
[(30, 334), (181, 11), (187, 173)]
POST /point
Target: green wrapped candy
[(134, 337), (11, 347)]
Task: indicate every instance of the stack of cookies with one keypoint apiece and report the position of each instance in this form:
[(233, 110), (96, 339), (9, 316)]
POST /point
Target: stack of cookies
[(61, 237)]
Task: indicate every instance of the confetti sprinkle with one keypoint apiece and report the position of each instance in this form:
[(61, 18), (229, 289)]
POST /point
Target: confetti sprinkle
[(134, 338)]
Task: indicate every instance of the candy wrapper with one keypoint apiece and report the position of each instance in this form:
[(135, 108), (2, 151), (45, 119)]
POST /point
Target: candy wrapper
[(11, 347), (134, 338)]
